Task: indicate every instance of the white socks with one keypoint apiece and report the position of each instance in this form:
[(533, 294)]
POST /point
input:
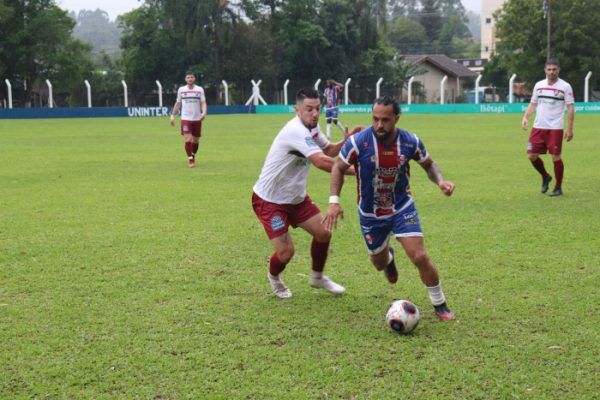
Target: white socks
[(328, 130), (436, 295), (341, 126), (317, 274)]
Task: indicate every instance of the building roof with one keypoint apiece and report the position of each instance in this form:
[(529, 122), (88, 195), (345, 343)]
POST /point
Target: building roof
[(442, 62)]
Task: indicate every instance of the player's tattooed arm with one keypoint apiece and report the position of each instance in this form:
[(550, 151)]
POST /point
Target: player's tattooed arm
[(434, 173)]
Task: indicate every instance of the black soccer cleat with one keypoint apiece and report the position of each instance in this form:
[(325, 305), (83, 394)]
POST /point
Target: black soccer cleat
[(444, 313), (556, 192), (390, 270), (545, 182)]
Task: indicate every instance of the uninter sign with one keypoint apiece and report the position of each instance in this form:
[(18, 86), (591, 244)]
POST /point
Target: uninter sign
[(148, 111)]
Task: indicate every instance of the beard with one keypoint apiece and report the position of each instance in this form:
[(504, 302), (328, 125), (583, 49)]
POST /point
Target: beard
[(384, 135)]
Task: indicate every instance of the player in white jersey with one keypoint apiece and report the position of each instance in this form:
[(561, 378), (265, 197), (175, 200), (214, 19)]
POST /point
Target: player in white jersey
[(280, 199), (192, 101), (550, 96)]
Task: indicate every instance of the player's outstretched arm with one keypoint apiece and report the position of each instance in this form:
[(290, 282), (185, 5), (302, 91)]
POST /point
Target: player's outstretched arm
[(434, 173), (333, 149), (335, 210)]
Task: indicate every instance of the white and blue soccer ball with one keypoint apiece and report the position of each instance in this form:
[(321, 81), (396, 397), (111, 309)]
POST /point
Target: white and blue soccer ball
[(402, 316)]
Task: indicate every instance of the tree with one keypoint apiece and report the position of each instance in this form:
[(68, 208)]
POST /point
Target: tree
[(407, 36), (575, 39), (96, 28), (37, 45)]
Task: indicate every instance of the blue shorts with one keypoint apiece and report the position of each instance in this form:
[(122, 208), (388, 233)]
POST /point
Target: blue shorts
[(376, 231), (331, 113)]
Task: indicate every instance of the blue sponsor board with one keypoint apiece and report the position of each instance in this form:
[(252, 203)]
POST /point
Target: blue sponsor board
[(99, 112)]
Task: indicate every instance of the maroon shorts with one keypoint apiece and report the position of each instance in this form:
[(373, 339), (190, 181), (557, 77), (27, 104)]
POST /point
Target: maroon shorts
[(191, 127), (277, 217), (545, 140)]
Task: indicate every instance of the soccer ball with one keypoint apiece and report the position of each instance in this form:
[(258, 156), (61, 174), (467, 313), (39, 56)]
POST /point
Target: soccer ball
[(402, 316)]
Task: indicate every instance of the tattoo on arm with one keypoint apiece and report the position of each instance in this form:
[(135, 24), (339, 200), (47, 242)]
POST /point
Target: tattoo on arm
[(434, 173)]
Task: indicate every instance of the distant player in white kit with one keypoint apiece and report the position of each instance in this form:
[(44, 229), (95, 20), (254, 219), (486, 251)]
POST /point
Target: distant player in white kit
[(191, 100), (550, 96), (280, 199)]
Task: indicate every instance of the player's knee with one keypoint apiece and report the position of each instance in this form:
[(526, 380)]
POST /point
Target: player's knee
[(286, 253), (419, 258), (556, 157), (335, 121), (328, 120), (323, 236), (532, 157)]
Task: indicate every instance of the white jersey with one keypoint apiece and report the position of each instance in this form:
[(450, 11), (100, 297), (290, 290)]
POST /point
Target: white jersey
[(283, 176), (551, 102), (191, 102)]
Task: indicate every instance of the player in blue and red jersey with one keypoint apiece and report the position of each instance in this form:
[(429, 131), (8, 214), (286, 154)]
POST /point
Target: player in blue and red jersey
[(331, 101), (380, 154)]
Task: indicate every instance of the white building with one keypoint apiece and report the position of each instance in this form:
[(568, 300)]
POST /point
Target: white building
[(488, 26)]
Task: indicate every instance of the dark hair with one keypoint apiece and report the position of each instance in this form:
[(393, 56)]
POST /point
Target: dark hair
[(190, 72), (307, 93), (553, 61), (389, 101)]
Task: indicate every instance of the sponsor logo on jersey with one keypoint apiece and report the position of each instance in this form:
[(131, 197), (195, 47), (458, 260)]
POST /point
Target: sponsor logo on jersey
[(387, 153), (384, 172), (277, 223), (410, 218), (310, 142)]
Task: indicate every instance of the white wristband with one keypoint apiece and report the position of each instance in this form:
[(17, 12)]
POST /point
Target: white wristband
[(334, 199)]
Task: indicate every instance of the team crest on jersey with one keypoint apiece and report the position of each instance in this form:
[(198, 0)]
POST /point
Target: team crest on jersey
[(365, 144), (186, 128), (277, 223)]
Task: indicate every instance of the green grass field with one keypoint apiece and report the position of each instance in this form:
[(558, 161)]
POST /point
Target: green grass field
[(125, 274)]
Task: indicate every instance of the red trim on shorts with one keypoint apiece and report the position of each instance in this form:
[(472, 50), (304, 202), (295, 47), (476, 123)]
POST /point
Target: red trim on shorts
[(542, 141), (276, 218), (193, 127)]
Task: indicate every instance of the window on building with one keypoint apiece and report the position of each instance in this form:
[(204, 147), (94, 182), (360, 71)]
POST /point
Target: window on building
[(487, 48), (488, 20)]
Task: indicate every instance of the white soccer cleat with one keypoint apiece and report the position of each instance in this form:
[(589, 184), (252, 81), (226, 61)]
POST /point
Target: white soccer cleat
[(279, 288), (325, 283)]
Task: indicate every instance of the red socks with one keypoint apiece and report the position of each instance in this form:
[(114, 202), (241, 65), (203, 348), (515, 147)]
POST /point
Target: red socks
[(195, 148), (559, 169), (189, 149), (275, 265), (318, 252), (538, 164)]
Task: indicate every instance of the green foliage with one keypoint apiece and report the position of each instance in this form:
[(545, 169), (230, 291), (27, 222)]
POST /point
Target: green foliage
[(96, 28), (36, 44), (575, 40), (127, 275)]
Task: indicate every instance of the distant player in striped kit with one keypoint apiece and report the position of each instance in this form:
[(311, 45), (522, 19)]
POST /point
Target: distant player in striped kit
[(191, 100), (380, 155), (331, 100), (549, 99)]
